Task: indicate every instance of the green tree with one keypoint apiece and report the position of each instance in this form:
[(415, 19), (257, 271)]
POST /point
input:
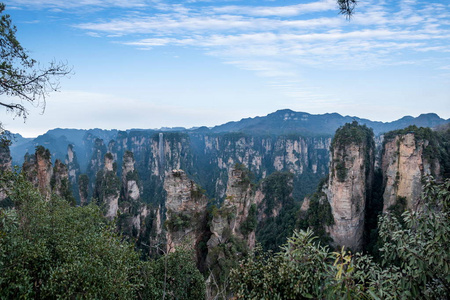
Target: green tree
[(49, 249), (415, 261), (416, 245), (173, 276)]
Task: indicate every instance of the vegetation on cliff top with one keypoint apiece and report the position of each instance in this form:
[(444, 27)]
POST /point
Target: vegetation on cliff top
[(436, 144), (351, 133)]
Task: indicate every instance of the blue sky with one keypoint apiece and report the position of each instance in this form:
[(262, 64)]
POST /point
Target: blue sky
[(149, 64)]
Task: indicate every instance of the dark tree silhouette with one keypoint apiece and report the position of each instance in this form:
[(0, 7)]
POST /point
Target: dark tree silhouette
[(22, 79), (346, 7)]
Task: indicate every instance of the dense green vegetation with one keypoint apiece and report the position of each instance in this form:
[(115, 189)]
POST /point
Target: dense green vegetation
[(250, 223), (172, 276), (317, 217), (415, 261), (273, 230), (43, 152), (352, 133), (49, 249)]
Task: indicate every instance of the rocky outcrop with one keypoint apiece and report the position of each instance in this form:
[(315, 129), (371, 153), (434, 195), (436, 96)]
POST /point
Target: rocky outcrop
[(73, 168), (237, 215), (38, 170), (96, 162), (350, 182), (130, 178), (185, 210), (60, 183), (49, 179), (83, 188), (404, 163), (5, 164), (107, 187), (5, 156), (132, 211)]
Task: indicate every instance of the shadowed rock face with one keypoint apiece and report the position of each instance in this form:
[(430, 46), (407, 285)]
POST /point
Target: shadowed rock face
[(5, 157), (72, 165), (5, 163), (107, 188), (38, 170), (129, 178), (350, 181), (60, 178), (234, 211), (404, 165), (185, 210)]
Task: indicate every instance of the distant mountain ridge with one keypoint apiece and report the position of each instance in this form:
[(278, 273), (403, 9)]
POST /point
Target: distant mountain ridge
[(281, 122), (287, 121)]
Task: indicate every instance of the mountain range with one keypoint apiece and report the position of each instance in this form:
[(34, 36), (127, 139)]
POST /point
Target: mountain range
[(281, 122)]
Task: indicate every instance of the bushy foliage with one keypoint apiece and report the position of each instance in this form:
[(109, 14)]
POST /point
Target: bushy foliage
[(250, 223), (296, 272), (415, 261), (416, 245), (177, 221), (352, 133), (49, 249), (173, 276), (43, 152), (273, 231), (317, 216)]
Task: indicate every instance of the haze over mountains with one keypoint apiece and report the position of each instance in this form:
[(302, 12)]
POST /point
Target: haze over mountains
[(287, 121), (280, 122)]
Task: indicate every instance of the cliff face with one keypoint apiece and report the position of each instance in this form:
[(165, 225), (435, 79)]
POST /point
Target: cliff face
[(72, 164), (350, 181), (132, 211), (237, 215), (185, 210), (130, 178), (5, 163), (60, 183), (38, 170), (107, 187), (404, 163), (210, 157), (96, 162), (5, 156), (260, 155)]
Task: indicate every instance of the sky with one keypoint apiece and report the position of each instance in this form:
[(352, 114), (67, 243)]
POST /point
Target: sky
[(157, 63)]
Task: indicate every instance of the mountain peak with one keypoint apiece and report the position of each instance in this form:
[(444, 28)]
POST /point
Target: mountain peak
[(286, 121)]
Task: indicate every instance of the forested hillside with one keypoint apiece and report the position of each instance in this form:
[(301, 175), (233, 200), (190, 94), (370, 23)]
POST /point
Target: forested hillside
[(145, 191)]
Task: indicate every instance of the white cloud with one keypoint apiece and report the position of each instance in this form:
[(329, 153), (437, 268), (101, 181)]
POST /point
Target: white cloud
[(280, 11), (68, 4), (278, 42)]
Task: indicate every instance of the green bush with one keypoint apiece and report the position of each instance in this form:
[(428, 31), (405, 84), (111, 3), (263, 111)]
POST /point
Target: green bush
[(49, 249), (414, 253)]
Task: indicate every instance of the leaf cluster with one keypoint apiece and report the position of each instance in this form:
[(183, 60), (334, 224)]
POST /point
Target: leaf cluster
[(414, 253)]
